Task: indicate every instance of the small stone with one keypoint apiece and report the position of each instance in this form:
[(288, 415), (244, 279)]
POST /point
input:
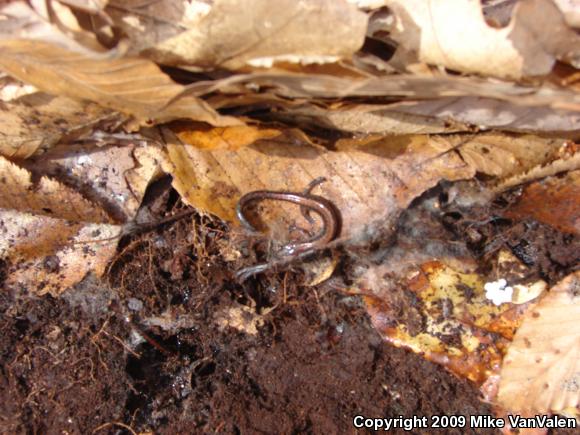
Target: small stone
[(134, 304)]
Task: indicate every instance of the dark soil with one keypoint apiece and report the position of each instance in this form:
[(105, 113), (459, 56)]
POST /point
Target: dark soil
[(150, 349)]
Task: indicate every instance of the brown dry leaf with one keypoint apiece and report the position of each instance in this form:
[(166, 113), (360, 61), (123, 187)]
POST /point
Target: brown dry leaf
[(36, 122), (232, 34), (442, 115), (53, 253), (12, 89), (567, 159), (402, 87), (541, 371), (453, 324), (49, 255), (49, 21), (231, 138), (522, 48), (369, 185), (505, 156), (135, 87), (46, 197), (86, 5), (571, 11), (554, 201), (318, 271), (369, 119), (485, 113), (113, 176)]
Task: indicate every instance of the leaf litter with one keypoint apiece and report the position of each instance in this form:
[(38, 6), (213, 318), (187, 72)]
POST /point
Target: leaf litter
[(457, 194)]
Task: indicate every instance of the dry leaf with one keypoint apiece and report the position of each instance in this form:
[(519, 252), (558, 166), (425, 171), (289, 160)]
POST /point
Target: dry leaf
[(46, 197), (113, 176), (232, 34), (442, 115), (49, 21), (367, 119), (402, 87), (49, 255), (522, 48), (504, 156), (231, 138), (485, 113), (566, 159), (571, 11), (369, 186), (12, 89), (541, 371), (554, 201), (86, 5), (39, 121), (318, 271), (133, 86)]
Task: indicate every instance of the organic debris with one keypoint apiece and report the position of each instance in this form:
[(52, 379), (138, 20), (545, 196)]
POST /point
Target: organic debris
[(257, 184)]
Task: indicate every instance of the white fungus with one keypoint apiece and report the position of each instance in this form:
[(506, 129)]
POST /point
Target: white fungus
[(498, 291)]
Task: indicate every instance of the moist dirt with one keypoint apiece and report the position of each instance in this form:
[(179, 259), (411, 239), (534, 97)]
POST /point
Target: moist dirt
[(168, 342)]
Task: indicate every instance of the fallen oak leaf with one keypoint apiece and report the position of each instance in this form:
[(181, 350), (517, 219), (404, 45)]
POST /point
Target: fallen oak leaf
[(566, 159)]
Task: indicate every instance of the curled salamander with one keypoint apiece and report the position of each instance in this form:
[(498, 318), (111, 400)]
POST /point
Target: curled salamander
[(308, 203)]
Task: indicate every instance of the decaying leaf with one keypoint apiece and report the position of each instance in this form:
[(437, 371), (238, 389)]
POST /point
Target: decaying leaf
[(241, 318), (402, 169), (541, 371), (554, 201), (48, 255), (46, 197), (232, 34), (522, 48), (442, 314), (135, 87), (39, 121)]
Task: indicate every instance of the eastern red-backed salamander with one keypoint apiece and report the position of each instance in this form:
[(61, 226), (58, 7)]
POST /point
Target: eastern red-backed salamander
[(308, 202)]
